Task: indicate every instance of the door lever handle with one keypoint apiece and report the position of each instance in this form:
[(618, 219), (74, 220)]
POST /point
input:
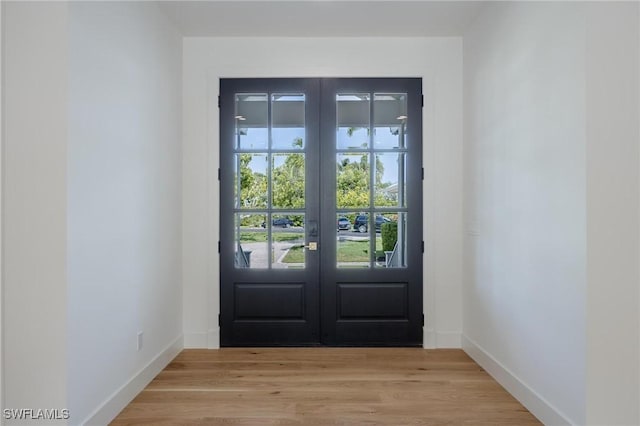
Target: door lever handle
[(313, 246)]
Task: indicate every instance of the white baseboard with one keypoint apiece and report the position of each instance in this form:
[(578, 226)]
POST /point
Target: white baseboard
[(448, 340), (441, 340), (428, 339), (203, 340), (539, 407), (123, 396), (213, 338), (196, 340)]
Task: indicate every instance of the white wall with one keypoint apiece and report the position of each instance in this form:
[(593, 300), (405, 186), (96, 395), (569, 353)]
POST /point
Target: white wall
[(35, 54), (437, 60), (124, 183), (92, 204), (613, 140), (551, 202)]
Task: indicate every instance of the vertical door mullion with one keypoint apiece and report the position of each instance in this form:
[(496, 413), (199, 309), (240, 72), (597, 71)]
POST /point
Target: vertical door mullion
[(327, 115), (269, 223), (372, 178)]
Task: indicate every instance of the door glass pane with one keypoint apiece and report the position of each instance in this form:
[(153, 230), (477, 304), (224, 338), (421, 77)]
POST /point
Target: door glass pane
[(391, 240), (251, 247), (288, 241), (287, 121), (288, 180), (390, 178), (353, 121), (352, 180), (389, 120), (252, 121), (353, 240), (251, 181)]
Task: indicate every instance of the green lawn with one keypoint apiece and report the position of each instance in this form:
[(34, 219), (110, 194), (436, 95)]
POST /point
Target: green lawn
[(353, 251), (261, 236), (294, 255), (348, 251)]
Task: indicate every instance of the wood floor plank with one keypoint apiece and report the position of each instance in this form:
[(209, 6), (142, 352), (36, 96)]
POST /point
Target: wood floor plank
[(323, 386)]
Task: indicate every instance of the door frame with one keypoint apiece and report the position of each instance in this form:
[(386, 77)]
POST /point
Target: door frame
[(437, 61)]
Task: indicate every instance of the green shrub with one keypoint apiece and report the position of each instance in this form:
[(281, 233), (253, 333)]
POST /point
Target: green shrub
[(389, 233)]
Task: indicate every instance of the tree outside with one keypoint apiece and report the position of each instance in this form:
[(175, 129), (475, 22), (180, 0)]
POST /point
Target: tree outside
[(353, 180)]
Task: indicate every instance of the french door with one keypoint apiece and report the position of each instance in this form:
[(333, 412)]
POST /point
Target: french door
[(321, 212)]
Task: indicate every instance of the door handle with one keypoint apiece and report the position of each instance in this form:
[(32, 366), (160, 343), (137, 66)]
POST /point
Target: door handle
[(313, 246)]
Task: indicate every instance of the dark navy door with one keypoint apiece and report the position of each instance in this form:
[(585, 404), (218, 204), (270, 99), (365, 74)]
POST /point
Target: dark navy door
[(321, 212)]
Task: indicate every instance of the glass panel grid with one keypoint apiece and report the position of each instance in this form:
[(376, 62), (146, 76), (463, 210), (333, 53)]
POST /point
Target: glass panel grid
[(378, 187), (269, 179)]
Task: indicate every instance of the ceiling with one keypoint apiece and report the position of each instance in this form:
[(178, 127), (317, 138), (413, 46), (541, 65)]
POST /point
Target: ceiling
[(321, 18)]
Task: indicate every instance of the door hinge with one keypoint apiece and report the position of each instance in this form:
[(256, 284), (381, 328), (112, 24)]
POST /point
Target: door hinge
[(423, 320), (421, 101), (218, 246), (220, 320), (423, 173), (218, 101), (219, 174), (422, 247)]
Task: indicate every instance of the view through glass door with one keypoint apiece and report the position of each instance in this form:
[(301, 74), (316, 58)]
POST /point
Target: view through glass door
[(321, 212)]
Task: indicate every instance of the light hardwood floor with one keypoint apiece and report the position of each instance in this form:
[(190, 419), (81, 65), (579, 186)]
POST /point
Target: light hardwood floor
[(324, 386)]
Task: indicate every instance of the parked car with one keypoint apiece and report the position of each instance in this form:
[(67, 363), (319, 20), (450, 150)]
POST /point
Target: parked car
[(283, 222), (361, 224), (344, 224)]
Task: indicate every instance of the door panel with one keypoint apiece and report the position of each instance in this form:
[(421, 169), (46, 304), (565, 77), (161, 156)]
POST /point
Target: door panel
[(372, 127), (363, 301), (269, 282), (321, 179), (262, 301)]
